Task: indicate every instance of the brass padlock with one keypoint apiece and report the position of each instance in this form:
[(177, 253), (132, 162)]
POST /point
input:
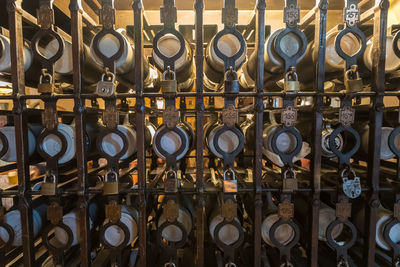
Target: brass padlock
[(111, 186), (46, 88), (106, 87), (49, 187), (230, 182), (353, 85), (169, 86), (291, 84)]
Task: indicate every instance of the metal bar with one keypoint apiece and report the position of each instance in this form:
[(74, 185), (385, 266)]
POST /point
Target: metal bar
[(367, 15), (259, 113), (141, 154), (375, 123), (320, 45), (14, 9), (81, 159), (309, 17), (200, 211)]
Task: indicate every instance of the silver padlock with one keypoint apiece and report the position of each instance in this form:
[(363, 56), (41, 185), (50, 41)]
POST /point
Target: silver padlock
[(49, 187), (106, 87), (353, 85), (291, 84), (111, 186), (351, 187), (230, 184)]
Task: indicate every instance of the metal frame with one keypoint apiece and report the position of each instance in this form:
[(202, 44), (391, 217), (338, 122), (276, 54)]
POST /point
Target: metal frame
[(258, 190)]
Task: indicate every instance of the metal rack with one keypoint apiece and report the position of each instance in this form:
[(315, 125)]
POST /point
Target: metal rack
[(200, 190)]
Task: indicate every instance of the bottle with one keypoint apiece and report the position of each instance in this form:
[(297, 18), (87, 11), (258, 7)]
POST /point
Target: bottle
[(173, 233), (114, 235), (72, 220), (273, 63), (169, 45), (214, 68), (9, 133), (64, 65), (13, 219), (125, 65), (171, 141), (5, 55)]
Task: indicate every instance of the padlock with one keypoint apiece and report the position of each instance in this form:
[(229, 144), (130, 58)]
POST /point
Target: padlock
[(106, 87), (230, 184), (291, 84), (111, 186), (289, 184), (231, 84), (171, 182), (169, 86), (49, 187), (351, 187), (353, 85), (46, 88)]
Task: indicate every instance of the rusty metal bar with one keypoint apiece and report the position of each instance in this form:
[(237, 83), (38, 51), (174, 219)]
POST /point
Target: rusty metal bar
[(79, 108), (375, 123), (259, 125), (200, 209), (138, 10), (15, 11), (320, 45)]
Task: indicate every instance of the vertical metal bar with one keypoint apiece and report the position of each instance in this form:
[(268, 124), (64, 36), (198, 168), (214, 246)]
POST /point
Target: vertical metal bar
[(81, 157), (375, 124), (141, 155), (319, 51), (259, 110), (200, 210), (14, 9)]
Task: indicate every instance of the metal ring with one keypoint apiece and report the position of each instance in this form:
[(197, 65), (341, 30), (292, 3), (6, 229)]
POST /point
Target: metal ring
[(238, 54), (40, 144), (103, 134), (295, 229), (181, 227), (396, 48), (96, 41), (287, 157), (35, 45), (169, 61), (10, 232), (391, 140), (221, 244), (123, 227), (236, 130), (170, 264), (51, 247), (344, 157), (230, 264), (299, 53), (179, 131), (331, 240), (4, 141), (358, 33), (386, 232)]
